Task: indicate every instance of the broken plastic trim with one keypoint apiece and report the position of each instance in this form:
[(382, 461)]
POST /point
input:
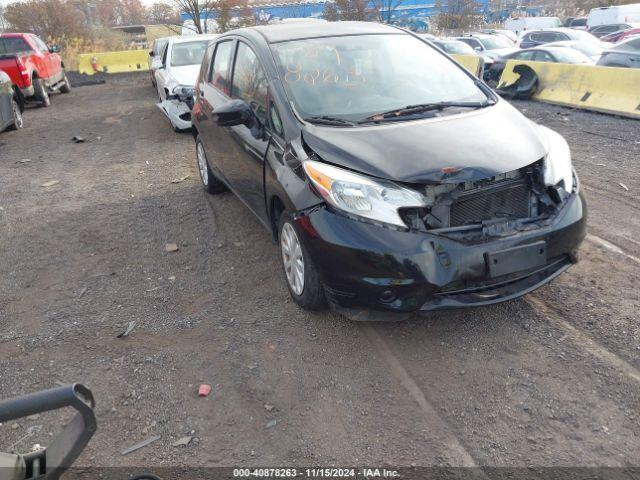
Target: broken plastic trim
[(524, 87)]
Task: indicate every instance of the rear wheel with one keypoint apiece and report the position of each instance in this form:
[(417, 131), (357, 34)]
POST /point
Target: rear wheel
[(210, 182), (66, 84), (41, 93), (18, 121), (301, 275)]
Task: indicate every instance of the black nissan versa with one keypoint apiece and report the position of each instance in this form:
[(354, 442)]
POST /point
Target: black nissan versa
[(392, 179)]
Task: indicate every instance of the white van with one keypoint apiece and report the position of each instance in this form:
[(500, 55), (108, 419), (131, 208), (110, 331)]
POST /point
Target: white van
[(617, 14), (520, 25)]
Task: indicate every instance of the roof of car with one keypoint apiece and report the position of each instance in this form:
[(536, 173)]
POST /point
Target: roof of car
[(297, 31), (193, 38), (475, 35)]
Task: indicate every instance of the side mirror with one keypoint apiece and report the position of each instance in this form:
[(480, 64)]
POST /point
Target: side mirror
[(235, 112), (478, 49), (55, 48), (151, 54)]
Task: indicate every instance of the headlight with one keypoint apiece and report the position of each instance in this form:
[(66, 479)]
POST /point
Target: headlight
[(359, 195), (557, 164), (184, 91)]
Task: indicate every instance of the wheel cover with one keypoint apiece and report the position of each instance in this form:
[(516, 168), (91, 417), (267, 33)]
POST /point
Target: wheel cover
[(17, 115), (202, 164), (292, 258)]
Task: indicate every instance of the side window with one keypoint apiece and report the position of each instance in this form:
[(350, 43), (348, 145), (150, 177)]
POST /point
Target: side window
[(558, 37), (219, 76), (543, 57), (250, 82), (205, 68), (633, 45), (158, 46), (528, 55), (165, 49), (548, 37), (470, 41)]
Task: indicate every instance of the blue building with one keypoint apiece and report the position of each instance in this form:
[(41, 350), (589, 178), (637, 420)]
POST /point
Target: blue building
[(409, 13)]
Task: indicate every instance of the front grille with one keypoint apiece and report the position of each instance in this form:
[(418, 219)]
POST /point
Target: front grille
[(510, 201)]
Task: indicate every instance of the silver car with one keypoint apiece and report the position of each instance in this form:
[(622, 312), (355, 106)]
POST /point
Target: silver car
[(625, 54)]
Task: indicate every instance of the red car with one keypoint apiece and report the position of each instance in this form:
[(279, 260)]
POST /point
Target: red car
[(618, 36), (35, 68)]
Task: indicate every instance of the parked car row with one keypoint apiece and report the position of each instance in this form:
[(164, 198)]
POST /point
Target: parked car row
[(174, 63), (29, 72)]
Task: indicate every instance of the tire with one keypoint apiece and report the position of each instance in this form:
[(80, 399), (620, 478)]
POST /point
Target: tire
[(66, 86), (210, 182), (41, 93), (310, 295), (18, 121)]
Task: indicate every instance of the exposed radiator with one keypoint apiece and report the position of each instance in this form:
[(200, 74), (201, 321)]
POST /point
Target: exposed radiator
[(509, 201)]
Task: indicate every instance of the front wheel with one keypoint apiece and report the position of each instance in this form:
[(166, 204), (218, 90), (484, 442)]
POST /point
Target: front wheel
[(66, 84), (18, 121), (300, 272), (41, 93)]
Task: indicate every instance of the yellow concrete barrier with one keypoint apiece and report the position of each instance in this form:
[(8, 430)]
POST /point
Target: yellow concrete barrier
[(602, 89), (473, 63), (113, 62)]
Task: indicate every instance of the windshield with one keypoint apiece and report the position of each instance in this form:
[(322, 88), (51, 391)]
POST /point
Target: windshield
[(589, 49), (582, 35), (460, 48), (632, 45), (188, 53), (13, 45), (494, 43), (353, 77)]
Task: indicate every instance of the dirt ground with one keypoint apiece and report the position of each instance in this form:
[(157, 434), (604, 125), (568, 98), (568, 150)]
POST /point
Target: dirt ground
[(549, 380)]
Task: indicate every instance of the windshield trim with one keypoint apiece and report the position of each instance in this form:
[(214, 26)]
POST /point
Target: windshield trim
[(300, 39)]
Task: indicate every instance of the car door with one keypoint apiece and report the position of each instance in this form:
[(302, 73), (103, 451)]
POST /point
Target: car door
[(214, 91), (245, 169), (54, 59), (46, 58)]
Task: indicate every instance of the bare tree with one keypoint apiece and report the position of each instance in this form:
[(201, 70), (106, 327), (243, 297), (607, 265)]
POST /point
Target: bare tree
[(162, 13), (386, 9), (357, 10), (457, 14), (46, 18), (195, 9)]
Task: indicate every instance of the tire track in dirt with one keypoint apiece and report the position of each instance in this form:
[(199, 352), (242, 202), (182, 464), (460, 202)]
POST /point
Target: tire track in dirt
[(582, 339), (460, 456), (611, 247)]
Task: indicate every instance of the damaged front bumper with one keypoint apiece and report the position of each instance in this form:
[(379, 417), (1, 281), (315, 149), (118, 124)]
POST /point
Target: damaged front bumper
[(386, 270), (178, 112)]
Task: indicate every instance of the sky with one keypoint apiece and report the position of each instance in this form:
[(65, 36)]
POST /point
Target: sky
[(144, 2)]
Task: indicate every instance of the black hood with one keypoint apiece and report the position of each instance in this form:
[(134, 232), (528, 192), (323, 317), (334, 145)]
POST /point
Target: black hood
[(468, 146)]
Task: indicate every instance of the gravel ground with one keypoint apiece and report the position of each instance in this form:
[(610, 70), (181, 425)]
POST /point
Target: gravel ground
[(549, 380)]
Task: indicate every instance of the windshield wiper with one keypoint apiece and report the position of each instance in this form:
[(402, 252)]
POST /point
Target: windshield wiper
[(326, 120), (424, 107)]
